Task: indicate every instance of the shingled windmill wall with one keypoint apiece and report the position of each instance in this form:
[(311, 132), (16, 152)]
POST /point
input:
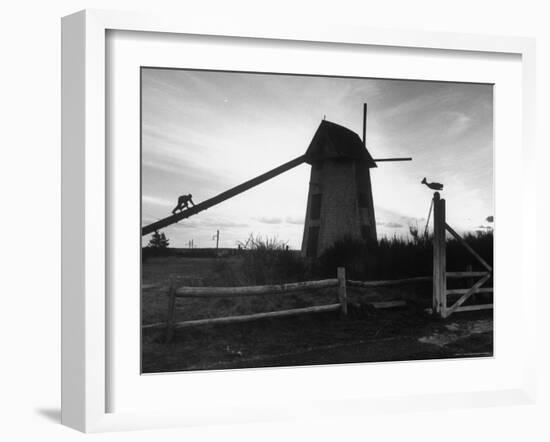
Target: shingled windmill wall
[(340, 199)]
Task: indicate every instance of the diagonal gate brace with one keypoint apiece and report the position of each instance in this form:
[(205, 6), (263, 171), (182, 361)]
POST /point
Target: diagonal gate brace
[(466, 295), (468, 247)]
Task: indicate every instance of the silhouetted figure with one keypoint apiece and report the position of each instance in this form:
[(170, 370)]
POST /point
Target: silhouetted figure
[(183, 203), (433, 186)]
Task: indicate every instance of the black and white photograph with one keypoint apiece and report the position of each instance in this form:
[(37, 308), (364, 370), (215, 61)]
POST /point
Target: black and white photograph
[(276, 221), (299, 220)]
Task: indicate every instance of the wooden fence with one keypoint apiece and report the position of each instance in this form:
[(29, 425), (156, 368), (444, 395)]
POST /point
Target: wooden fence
[(340, 283), (440, 274), (263, 290)]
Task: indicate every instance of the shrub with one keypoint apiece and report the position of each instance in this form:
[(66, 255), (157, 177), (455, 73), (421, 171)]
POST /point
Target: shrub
[(393, 258), (158, 241), (352, 254)]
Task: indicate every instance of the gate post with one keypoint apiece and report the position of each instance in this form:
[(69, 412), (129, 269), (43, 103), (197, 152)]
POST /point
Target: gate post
[(439, 301)]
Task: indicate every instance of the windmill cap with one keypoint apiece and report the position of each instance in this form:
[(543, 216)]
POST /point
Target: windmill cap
[(332, 141)]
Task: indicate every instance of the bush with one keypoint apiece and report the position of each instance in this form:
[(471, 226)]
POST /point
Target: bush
[(158, 240), (352, 254), (393, 258)]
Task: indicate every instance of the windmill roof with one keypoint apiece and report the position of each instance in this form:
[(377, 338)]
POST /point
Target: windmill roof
[(332, 141)]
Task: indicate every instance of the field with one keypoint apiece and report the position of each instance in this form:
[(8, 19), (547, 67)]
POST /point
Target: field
[(367, 334)]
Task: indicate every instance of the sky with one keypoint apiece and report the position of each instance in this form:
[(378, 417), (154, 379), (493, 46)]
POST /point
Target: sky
[(205, 132)]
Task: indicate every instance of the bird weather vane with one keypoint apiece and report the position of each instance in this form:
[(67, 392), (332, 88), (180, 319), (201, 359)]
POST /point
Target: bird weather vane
[(433, 186)]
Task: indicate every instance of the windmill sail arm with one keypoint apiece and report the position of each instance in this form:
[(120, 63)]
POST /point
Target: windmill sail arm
[(221, 197), (378, 160)]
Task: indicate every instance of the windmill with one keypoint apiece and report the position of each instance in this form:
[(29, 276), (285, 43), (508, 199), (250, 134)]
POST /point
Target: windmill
[(340, 199), (340, 202)]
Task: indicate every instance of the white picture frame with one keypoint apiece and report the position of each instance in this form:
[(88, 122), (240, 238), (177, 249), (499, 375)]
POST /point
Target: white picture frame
[(85, 310)]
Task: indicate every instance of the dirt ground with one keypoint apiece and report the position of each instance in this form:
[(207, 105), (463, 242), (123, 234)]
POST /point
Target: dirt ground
[(365, 335)]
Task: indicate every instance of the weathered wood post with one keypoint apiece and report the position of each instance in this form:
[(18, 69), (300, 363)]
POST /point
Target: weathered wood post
[(435, 281), (439, 251), (342, 294), (470, 282), (171, 314)]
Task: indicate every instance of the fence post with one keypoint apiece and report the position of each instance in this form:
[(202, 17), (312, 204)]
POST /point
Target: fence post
[(470, 282), (443, 258), (439, 301), (435, 290), (342, 294), (171, 313)]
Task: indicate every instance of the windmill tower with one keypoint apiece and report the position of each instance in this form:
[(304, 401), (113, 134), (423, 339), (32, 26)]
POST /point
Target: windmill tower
[(340, 202)]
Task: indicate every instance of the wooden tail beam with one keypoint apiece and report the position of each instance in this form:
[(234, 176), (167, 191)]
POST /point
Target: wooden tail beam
[(364, 124), (380, 160), (221, 197)]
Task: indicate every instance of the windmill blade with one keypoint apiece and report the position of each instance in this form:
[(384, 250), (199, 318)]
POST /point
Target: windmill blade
[(221, 197), (379, 160)]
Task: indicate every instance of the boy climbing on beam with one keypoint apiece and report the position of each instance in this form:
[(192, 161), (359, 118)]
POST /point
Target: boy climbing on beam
[(183, 203)]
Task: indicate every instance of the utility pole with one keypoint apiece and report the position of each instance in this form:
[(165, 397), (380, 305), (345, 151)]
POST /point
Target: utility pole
[(217, 238)]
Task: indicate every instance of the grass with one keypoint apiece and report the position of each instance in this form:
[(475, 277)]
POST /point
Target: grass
[(270, 261), (364, 335), (398, 258), (261, 261)]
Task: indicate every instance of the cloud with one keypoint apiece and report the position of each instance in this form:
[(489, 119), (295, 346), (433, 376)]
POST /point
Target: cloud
[(390, 225), (387, 217), (294, 220), (407, 107), (221, 224), (269, 219), (145, 220), (484, 228), (150, 199), (456, 122)]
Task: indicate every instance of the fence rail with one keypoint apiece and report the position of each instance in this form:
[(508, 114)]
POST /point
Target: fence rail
[(464, 274), (472, 308), (222, 292), (463, 291), (278, 289), (389, 282), (149, 286), (254, 316)]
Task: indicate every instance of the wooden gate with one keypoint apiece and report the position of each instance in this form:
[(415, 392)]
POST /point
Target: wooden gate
[(440, 274)]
